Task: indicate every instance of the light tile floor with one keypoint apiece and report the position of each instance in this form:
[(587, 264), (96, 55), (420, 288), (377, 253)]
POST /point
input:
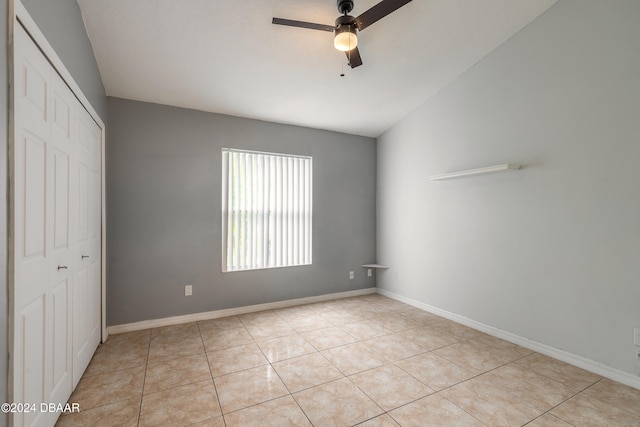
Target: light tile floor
[(369, 361)]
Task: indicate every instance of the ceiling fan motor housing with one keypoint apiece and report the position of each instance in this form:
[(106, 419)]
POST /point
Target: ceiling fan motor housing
[(345, 6), (346, 20)]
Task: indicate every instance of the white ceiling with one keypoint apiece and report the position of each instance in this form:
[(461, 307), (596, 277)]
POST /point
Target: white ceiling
[(225, 56)]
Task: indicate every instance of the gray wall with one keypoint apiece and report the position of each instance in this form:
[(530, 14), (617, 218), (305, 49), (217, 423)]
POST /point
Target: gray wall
[(550, 253), (61, 23), (164, 212)]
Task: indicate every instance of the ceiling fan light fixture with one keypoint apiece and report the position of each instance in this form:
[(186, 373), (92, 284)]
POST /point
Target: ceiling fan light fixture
[(345, 38)]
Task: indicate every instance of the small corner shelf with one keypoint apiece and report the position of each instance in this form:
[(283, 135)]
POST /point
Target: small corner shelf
[(375, 266), (488, 169)]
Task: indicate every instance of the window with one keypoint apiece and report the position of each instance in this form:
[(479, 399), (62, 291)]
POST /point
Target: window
[(266, 210)]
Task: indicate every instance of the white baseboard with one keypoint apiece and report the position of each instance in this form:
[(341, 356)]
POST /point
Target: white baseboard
[(176, 320), (573, 359)]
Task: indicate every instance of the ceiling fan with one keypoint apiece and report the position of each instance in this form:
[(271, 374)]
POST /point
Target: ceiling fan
[(346, 26)]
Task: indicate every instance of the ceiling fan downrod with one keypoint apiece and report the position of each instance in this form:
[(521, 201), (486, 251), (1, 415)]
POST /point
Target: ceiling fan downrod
[(345, 6)]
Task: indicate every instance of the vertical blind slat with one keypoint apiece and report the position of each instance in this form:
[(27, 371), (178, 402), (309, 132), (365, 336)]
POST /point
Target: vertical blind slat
[(270, 219), (236, 212), (279, 209), (296, 212)]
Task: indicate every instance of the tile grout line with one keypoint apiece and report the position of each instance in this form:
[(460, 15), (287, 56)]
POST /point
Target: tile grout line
[(144, 378), (213, 382)]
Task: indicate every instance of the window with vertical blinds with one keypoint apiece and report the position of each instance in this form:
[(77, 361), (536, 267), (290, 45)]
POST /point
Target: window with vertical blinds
[(266, 210)]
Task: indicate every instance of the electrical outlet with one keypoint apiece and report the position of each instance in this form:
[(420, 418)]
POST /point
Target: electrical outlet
[(188, 290), (369, 272), (352, 275)]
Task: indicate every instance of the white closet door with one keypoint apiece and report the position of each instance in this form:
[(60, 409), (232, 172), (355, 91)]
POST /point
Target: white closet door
[(61, 219), (56, 235), (87, 291), (33, 353), (95, 235)]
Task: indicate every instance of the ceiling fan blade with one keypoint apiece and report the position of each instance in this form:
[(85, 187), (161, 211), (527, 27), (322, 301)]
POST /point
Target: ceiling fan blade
[(354, 57), (378, 12), (301, 24)]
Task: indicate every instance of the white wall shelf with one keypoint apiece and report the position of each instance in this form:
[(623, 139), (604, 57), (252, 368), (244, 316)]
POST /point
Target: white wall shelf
[(374, 266), (478, 171)]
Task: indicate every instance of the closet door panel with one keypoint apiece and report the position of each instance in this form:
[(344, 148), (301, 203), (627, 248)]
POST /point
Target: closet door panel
[(81, 351), (94, 300), (61, 136), (95, 236), (61, 363), (83, 203), (30, 219), (32, 85), (33, 362), (34, 212), (61, 253), (32, 154), (62, 171), (87, 294)]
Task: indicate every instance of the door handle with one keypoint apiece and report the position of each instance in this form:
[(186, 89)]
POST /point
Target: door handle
[(62, 267), (84, 256)]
